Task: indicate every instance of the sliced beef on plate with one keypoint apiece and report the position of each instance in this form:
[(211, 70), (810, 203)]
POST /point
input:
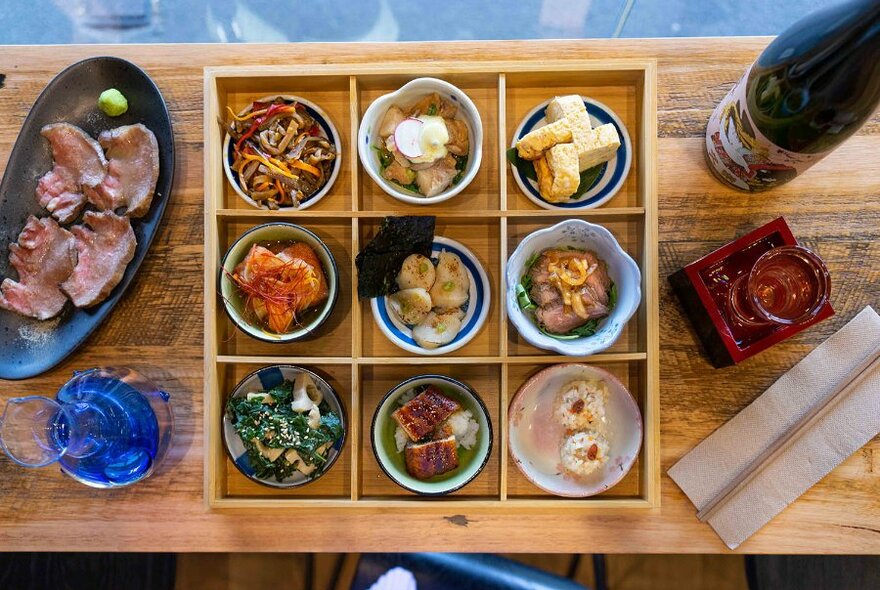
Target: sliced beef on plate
[(44, 257), (103, 253), (132, 172), (79, 163)]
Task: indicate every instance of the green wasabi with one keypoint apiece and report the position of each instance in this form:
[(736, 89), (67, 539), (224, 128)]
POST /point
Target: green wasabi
[(112, 102)]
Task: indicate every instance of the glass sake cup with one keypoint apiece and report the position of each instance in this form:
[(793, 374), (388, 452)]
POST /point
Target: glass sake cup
[(788, 285)]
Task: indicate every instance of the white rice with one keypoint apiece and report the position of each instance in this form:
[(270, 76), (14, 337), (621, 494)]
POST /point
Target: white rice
[(406, 396), (575, 452), (581, 405), (464, 427), (400, 439)]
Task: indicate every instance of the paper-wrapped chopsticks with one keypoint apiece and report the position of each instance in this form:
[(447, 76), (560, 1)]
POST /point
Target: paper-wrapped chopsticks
[(815, 416)]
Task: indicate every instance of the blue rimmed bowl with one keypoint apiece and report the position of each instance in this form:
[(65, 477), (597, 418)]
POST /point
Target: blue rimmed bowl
[(623, 270), (476, 310), (326, 129), (265, 379), (613, 174)]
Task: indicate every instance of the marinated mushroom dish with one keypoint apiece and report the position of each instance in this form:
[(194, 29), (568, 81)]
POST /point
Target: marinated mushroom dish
[(286, 429), (280, 155), (423, 148)]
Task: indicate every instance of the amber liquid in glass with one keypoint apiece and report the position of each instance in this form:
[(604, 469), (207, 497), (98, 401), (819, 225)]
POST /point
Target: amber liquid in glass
[(787, 285)]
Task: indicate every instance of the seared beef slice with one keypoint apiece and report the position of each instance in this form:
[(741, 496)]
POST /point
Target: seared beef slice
[(103, 253), (132, 172), (44, 257), (79, 165)]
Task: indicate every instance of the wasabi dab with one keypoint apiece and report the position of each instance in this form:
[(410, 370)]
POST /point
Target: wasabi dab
[(112, 102)]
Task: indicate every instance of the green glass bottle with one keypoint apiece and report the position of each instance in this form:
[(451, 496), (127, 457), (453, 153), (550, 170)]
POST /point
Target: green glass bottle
[(812, 88)]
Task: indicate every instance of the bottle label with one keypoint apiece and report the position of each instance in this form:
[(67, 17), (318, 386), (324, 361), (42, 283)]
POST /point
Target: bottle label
[(742, 155)]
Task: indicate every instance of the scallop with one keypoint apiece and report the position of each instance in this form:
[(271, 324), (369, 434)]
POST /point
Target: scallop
[(417, 272), (437, 329), (411, 305), (452, 284)]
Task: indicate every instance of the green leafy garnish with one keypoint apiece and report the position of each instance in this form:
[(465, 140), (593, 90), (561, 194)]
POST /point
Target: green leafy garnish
[(277, 426), (526, 169), (432, 110), (612, 296), (531, 260), (385, 157), (522, 298), (460, 165)]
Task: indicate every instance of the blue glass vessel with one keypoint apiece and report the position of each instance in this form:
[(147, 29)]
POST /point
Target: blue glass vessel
[(106, 428)]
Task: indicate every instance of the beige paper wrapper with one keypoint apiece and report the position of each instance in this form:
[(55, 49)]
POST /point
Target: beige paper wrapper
[(849, 425)]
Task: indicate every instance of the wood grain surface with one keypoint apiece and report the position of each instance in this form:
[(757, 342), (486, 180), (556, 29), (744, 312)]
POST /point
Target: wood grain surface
[(157, 329)]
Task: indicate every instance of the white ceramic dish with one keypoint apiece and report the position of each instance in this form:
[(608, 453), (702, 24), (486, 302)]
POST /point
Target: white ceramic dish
[(327, 130), (471, 462), (606, 184), (273, 232), (622, 269), (262, 380), (408, 94), (475, 314), (534, 437)]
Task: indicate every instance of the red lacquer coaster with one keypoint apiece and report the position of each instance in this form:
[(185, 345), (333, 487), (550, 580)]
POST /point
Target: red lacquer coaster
[(703, 285)]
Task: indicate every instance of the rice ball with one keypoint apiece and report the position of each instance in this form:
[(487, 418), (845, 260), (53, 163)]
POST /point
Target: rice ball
[(583, 453), (580, 405)]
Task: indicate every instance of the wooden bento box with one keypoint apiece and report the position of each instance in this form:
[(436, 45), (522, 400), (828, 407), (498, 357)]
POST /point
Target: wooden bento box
[(490, 216)]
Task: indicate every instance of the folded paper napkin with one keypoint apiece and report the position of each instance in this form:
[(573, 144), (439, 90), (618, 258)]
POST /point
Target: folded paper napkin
[(850, 424)]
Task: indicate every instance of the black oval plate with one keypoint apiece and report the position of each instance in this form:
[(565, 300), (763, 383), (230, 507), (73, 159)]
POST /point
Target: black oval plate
[(29, 347)]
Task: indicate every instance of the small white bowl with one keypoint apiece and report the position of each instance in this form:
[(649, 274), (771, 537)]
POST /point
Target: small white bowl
[(535, 438), (271, 232), (328, 130), (622, 269), (408, 94), (479, 298)]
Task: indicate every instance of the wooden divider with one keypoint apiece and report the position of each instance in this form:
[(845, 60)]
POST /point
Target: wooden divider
[(490, 217)]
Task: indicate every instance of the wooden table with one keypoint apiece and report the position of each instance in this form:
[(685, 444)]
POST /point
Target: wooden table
[(157, 329)]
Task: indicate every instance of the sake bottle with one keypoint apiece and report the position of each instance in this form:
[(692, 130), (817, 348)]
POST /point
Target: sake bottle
[(812, 88)]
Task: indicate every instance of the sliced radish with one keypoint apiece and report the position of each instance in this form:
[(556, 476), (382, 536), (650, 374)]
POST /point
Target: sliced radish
[(407, 136)]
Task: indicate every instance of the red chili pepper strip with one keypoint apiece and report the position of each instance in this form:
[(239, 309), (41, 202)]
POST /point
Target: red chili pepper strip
[(270, 112)]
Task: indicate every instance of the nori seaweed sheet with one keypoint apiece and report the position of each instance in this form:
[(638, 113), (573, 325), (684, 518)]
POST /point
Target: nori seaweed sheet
[(379, 261)]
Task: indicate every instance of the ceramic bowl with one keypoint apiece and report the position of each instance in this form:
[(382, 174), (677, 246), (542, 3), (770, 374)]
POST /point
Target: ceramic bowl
[(613, 174), (408, 94), (267, 378), (326, 128), (475, 314), (471, 462), (534, 437), (274, 232), (622, 269)]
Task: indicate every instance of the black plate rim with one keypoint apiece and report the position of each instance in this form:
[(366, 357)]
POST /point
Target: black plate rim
[(9, 372)]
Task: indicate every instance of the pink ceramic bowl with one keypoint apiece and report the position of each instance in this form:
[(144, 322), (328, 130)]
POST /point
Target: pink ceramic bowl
[(535, 436)]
